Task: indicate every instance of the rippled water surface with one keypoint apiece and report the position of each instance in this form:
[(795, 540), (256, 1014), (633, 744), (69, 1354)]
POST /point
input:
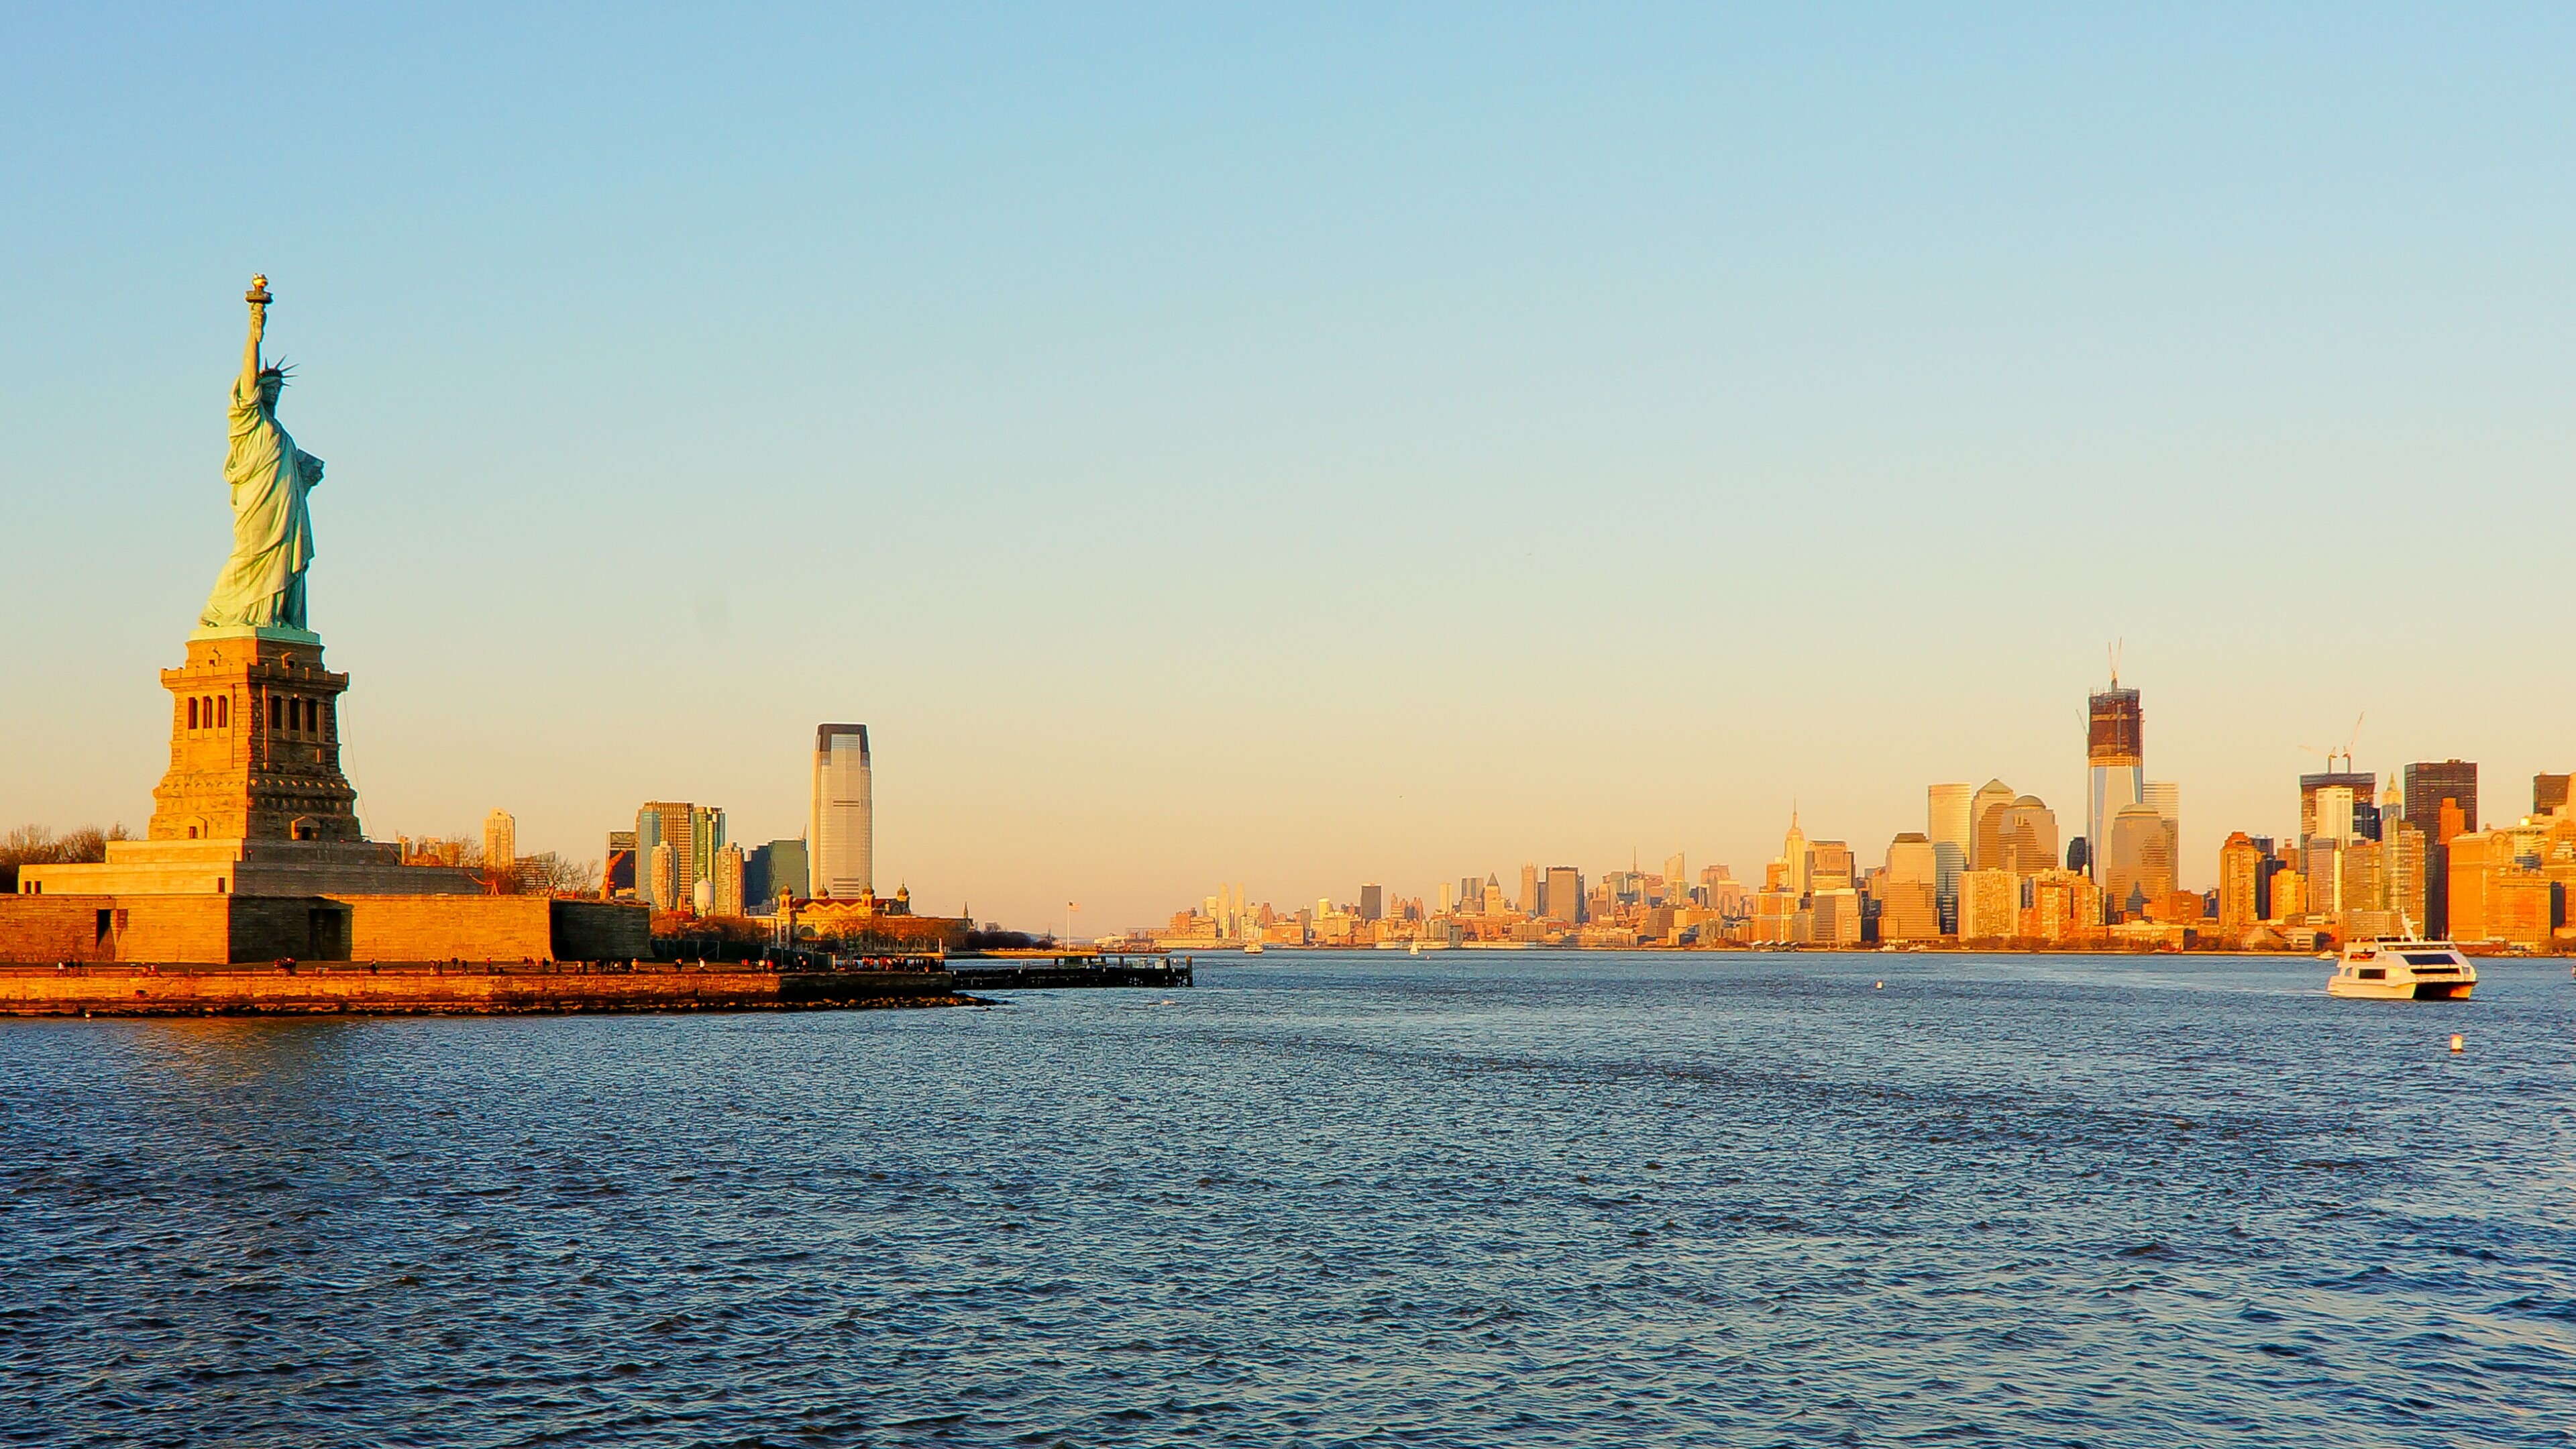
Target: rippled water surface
[(1474, 1199)]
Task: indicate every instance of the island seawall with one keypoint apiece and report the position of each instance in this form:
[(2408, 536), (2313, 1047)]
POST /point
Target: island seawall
[(435, 989)]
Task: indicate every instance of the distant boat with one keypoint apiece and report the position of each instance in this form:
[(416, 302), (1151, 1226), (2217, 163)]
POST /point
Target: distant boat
[(1417, 948), (2403, 971), (1252, 948)]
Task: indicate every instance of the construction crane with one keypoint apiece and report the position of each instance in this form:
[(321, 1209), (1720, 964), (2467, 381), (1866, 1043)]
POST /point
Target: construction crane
[(2348, 746)]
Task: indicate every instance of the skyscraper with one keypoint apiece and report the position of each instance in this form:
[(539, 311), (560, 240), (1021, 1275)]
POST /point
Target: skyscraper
[(2025, 836), (706, 841), (842, 829), (2240, 865), (2402, 848), (2428, 785), (1946, 822), (1831, 866), (1835, 916), (2115, 749), (1909, 901), (2441, 801), (2289, 894), (2548, 792), (1989, 906), (2322, 862), (2166, 796), (659, 823), (2138, 868), (2361, 783), (1991, 797), (1372, 902), (2328, 815), (500, 842), (2364, 886), (1564, 894), (774, 870), (1795, 855), (664, 861), (2476, 859), (728, 879)]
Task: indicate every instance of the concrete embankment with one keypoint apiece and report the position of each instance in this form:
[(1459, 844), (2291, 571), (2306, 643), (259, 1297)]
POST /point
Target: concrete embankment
[(468, 990)]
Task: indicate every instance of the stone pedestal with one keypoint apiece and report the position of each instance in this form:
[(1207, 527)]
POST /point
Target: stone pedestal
[(253, 802), (254, 743), (255, 852)]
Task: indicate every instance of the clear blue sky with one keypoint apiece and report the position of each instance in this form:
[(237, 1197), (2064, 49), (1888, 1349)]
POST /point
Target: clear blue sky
[(1312, 445)]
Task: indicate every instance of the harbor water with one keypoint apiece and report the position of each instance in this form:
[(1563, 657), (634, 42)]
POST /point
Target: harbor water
[(1462, 1198)]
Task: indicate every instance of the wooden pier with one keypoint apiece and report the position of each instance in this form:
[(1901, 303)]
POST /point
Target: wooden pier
[(1070, 968)]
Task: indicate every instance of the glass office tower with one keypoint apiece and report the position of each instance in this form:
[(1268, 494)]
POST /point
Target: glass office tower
[(843, 824)]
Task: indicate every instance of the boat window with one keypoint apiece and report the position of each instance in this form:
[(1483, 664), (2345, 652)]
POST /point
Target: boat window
[(2415, 958), (2374, 973)]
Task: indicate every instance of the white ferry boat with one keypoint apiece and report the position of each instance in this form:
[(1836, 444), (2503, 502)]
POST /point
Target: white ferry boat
[(2404, 971)]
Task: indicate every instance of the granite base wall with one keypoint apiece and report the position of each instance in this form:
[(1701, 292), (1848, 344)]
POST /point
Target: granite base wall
[(450, 928), (601, 931), (140, 928), (53, 928), (240, 929)]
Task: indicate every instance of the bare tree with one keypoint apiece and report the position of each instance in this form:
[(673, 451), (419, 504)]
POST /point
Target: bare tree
[(463, 850), (25, 845), (548, 873), (38, 845), (87, 845)]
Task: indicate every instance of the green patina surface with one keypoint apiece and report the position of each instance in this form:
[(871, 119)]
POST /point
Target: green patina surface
[(262, 583)]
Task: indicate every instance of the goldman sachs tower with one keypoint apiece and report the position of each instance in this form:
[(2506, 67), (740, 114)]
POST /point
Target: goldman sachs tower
[(2115, 747), (843, 823)]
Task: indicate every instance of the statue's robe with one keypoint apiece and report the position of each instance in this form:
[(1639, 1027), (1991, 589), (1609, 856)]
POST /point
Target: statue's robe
[(263, 582)]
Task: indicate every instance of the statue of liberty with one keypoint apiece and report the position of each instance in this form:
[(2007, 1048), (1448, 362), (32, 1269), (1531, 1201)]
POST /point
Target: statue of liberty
[(263, 582)]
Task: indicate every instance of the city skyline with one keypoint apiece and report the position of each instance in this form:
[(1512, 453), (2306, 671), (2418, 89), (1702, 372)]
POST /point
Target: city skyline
[(1311, 449), (1965, 827), (2418, 863)]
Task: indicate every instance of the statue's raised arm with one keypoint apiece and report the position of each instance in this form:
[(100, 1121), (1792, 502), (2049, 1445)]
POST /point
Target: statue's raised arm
[(258, 298), (262, 585)]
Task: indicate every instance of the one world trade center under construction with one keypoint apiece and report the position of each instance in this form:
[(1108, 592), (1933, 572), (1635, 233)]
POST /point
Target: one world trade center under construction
[(2115, 747)]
